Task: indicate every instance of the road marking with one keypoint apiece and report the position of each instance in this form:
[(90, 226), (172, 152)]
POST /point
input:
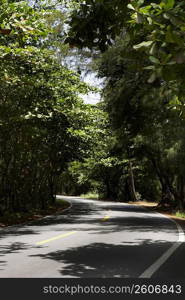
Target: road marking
[(106, 218), (161, 260), (56, 238)]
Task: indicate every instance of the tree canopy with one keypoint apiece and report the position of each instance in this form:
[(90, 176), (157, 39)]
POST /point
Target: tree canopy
[(128, 147), (141, 58), (40, 130)]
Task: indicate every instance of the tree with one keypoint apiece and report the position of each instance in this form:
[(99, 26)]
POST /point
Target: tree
[(143, 66), (39, 130), (95, 24)]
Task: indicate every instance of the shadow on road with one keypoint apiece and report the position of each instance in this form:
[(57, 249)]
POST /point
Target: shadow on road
[(2, 264), (106, 260), (96, 259), (90, 215), (12, 248)]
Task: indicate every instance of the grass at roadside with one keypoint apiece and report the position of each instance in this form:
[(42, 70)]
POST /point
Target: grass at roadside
[(180, 214), (90, 196), (22, 217)]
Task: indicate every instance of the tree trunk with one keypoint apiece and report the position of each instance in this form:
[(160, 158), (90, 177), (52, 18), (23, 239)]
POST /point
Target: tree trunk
[(132, 182), (167, 190), (181, 193)]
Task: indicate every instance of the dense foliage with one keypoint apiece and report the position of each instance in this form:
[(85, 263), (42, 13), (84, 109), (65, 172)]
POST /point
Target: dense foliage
[(38, 125), (128, 147), (141, 58)]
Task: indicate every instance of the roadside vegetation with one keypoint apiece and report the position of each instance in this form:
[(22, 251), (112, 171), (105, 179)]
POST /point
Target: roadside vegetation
[(128, 147), (42, 117), (11, 218), (180, 214), (141, 58), (90, 195)]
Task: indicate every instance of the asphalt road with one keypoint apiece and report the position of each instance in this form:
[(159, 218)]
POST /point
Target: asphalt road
[(94, 239)]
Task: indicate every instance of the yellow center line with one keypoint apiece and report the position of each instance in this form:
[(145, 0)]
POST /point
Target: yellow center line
[(56, 238), (106, 218)]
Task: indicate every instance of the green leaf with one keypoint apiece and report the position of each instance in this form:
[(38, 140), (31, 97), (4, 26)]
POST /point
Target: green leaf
[(168, 4), (149, 68), (153, 49), (130, 6), (143, 45), (152, 78), (145, 10), (154, 60)]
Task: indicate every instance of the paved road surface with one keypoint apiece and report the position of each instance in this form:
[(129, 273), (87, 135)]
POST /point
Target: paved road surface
[(94, 239)]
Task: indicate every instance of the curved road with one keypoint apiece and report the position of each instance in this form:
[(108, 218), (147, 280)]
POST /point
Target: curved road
[(94, 239)]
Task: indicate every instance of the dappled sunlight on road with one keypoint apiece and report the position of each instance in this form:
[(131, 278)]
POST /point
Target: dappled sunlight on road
[(92, 239)]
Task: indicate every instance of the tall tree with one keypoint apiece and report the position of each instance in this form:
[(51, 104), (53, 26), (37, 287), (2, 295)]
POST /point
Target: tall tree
[(39, 129)]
